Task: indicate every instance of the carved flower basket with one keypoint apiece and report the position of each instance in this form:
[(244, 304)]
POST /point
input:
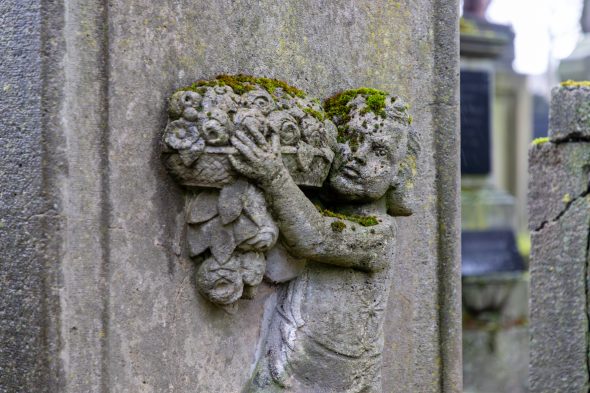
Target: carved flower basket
[(203, 118)]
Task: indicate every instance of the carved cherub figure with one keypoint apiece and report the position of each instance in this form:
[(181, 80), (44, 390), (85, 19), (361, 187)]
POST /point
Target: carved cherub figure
[(326, 332), (229, 228)]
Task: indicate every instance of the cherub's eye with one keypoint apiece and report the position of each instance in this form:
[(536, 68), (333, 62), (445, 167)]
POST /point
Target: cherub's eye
[(380, 151)]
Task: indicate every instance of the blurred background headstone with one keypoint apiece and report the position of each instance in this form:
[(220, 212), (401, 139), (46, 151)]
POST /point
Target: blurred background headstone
[(495, 108)]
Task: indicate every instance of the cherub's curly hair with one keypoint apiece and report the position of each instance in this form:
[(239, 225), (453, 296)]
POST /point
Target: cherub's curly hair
[(351, 105)]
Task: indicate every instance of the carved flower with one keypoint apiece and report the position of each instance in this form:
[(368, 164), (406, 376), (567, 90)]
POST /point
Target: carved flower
[(181, 135), (222, 284), (184, 104), (260, 99), (191, 155), (285, 125), (371, 312), (253, 267), (313, 132), (296, 111), (252, 119), (223, 89), (216, 127), (305, 155), (220, 97)]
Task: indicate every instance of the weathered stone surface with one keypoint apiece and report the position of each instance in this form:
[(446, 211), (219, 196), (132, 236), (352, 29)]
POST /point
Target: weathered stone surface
[(28, 222), (326, 333), (130, 318), (496, 360), (559, 312), (569, 115), (495, 333), (559, 174), (559, 218), (322, 50)]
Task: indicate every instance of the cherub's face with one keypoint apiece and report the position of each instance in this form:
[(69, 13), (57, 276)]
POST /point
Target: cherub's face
[(365, 166)]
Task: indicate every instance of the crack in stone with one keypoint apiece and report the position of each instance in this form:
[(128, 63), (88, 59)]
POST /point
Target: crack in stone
[(575, 138), (565, 209)]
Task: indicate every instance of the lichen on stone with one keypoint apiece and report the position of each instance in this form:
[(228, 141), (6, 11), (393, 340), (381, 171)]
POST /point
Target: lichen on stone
[(540, 141), (575, 84)]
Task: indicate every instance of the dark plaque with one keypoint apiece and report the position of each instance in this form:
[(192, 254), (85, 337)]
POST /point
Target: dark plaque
[(489, 251), (475, 123), (540, 117)]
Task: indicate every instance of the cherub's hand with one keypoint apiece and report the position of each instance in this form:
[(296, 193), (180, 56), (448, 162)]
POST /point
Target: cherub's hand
[(258, 159)]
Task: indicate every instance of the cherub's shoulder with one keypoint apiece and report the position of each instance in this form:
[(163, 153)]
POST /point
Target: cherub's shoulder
[(387, 224)]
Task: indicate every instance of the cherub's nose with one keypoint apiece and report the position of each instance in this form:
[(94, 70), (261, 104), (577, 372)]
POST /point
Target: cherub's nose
[(359, 157)]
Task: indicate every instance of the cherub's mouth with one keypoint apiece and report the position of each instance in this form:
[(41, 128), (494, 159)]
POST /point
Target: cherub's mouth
[(349, 171)]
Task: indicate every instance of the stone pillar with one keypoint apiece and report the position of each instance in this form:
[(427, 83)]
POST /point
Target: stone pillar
[(559, 220), (29, 209), (93, 227)]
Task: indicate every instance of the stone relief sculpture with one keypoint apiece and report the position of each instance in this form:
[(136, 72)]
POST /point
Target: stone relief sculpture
[(323, 184), (229, 224)]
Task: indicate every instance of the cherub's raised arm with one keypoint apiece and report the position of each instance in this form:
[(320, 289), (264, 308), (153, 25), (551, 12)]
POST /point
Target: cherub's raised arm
[(312, 235), (306, 231)]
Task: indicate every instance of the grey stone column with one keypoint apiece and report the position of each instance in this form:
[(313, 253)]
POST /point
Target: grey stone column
[(559, 220), (29, 207), (96, 286)]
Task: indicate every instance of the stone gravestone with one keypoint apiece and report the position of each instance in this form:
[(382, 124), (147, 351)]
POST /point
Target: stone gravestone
[(559, 220), (113, 298)]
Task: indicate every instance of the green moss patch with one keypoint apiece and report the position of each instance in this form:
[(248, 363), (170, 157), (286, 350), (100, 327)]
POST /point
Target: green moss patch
[(318, 115), (338, 226), (241, 84), (338, 108), (365, 221), (338, 105)]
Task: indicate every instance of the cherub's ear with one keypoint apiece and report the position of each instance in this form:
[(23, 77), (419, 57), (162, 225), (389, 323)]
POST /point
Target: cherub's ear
[(400, 198)]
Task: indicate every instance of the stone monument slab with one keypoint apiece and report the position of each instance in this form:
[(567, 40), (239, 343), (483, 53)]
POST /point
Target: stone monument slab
[(123, 312), (569, 113), (559, 219), (559, 175), (559, 313)]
